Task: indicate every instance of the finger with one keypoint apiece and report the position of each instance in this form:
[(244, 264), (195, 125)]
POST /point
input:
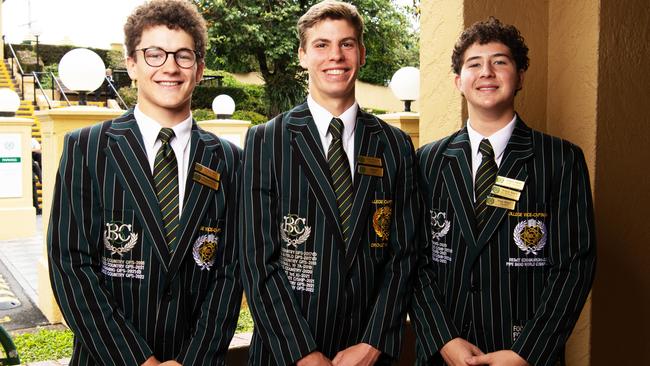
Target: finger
[(337, 358), (478, 360), (476, 351)]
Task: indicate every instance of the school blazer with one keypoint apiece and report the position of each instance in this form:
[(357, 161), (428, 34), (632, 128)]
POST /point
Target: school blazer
[(124, 294), (521, 282), (308, 289)]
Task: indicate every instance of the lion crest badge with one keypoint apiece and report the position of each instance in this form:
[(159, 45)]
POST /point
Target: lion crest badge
[(439, 225), (530, 236), (205, 250), (381, 220)]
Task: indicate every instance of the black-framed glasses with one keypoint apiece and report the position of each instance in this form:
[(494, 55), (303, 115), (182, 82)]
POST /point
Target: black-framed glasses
[(156, 57)]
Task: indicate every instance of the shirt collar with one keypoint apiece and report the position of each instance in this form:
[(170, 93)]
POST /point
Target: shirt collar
[(498, 140), (322, 118), (150, 128)]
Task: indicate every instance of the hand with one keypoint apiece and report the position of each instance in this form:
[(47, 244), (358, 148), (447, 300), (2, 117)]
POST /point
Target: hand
[(151, 361), (457, 351), (500, 358), (170, 363), (361, 354), (314, 359)]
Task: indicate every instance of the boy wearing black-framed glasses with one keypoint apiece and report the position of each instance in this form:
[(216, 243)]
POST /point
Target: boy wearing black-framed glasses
[(142, 242)]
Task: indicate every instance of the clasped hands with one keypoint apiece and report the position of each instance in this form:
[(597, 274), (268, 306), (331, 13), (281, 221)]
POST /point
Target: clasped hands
[(459, 352), (361, 354)]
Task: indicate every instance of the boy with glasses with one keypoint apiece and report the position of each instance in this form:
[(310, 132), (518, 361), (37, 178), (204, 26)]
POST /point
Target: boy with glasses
[(142, 245)]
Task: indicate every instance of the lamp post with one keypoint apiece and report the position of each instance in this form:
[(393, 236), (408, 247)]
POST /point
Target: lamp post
[(36, 32), (405, 85), (223, 106), (82, 70)]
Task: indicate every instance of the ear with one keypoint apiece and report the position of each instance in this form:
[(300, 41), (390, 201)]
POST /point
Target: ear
[(520, 84), (457, 82), (362, 55), (302, 55), (200, 67), (130, 68)]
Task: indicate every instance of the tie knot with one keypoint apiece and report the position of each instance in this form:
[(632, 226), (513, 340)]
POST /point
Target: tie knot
[(336, 128), (486, 148), (165, 135)]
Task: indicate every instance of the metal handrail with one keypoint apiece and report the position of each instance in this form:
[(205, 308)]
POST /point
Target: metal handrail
[(13, 53), (58, 85), (40, 87), (20, 69), (110, 84)]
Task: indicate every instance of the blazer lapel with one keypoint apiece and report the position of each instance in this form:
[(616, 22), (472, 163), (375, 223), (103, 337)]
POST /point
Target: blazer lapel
[(308, 150), (197, 196), (458, 179), (518, 151), (367, 143), (126, 155)]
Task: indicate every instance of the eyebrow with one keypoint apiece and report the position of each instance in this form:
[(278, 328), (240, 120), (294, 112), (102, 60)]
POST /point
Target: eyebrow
[(492, 55), (347, 39)]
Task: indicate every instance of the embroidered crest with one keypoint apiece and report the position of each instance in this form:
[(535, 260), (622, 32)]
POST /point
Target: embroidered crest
[(381, 222), (294, 230), (119, 238), (205, 250), (530, 236), (439, 224)]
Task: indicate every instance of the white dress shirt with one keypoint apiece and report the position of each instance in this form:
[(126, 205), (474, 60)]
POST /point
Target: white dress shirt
[(180, 143), (322, 118), (498, 140)]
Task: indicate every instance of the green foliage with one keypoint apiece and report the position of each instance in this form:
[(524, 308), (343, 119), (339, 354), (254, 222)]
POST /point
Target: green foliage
[(247, 35), (52, 54), (130, 95), (254, 117), (245, 321), (248, 97), (46, 344), (202, 114)]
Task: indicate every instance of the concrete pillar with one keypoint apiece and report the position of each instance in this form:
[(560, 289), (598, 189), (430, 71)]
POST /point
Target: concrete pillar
[(408, 122), (232, 130), (17, 212), (55, 123)]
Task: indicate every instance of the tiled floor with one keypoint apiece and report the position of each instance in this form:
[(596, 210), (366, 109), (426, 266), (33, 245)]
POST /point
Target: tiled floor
[(21, 258)]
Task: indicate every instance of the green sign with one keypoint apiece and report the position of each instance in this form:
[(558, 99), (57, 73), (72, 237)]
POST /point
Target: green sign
[(10, 159)]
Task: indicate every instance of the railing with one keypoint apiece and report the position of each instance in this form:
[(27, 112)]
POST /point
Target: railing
[(14, 58), (120, 101), (40, 87)]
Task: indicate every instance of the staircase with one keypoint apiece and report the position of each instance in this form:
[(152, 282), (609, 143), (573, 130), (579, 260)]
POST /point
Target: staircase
[(26, 110)]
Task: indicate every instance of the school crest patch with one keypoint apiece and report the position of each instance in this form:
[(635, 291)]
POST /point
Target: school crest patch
[(530, 236), (119, 238), (204, 250)]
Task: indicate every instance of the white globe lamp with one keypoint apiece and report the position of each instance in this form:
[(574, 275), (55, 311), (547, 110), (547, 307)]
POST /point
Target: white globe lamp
[(82, 70), (9, 102), (223, 106), (405, 85)]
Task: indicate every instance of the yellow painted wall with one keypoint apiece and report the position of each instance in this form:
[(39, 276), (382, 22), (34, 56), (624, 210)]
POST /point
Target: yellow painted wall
[(621, 295)]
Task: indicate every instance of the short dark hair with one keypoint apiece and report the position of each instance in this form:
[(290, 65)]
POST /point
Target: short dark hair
[(175, 14), (330, 10), (491, 30)]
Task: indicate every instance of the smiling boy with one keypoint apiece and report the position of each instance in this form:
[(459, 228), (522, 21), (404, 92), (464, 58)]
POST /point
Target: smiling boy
[(508, 241), (142, 246), (329, 205)]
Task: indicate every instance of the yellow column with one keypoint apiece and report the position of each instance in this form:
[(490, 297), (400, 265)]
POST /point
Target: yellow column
[(17, 212), (408, 122), (233, 130), (55, 123)]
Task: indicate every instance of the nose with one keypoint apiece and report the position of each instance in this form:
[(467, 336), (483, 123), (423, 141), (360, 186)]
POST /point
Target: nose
[(336, 53), (487, 70), (170, 64)]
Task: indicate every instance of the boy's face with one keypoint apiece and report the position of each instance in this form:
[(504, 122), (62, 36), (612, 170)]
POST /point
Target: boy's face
[(164, 92), (489, 77), (332, 56)]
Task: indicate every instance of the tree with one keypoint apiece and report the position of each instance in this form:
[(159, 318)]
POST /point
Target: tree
[(248, 35)]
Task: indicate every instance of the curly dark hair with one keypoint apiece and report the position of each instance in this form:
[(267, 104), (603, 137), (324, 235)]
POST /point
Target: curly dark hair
[(491, 30), (175, 14)]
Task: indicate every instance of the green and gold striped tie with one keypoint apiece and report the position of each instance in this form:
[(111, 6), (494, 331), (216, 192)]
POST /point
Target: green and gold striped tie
[(165, 175), (485, 178), (341, 177)]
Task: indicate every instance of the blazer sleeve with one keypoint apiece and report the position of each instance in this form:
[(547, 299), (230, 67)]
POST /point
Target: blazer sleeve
[(431, 321), (74, 252), (219, 312), (386, 322), (278, 319), (573, 262)]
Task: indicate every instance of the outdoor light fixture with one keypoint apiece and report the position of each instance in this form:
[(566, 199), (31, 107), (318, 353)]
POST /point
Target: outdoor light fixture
[(9, 102), (223, 106), (82, 70), (36, 32), (405, 85)]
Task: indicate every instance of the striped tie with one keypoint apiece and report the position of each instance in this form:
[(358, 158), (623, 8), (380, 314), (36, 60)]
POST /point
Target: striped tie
[(165, 175), (340, 172), (485, 178)]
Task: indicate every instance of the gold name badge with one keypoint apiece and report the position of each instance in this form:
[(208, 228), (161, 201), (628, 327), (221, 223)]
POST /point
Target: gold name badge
[(202, 179), (505, 192), (369, 170), (500, 202), (510, 183), (207, 171), (369, 160)]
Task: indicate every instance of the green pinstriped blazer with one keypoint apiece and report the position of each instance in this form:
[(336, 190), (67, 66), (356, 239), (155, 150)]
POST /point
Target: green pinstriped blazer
[(123, 293), (521, 282), (307, 288)]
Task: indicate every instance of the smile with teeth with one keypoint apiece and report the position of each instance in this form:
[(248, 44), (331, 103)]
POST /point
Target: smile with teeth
[(490, 87), (335, 72), (168, 83)]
